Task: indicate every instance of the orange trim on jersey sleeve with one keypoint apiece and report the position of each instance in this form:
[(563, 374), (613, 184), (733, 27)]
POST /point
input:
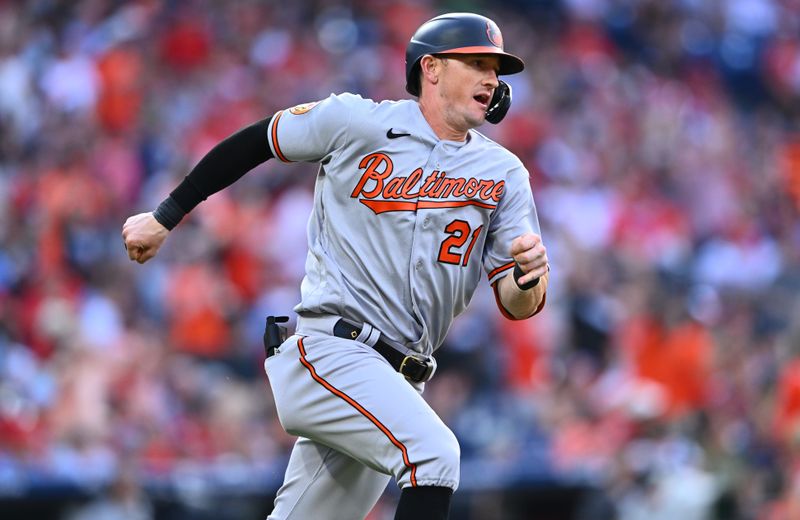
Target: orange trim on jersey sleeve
[(507, 314), (363, 411), (275, 144), (500, 269)]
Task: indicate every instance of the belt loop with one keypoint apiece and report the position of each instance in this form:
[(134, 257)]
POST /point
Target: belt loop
[(368, 335), (374, 336)]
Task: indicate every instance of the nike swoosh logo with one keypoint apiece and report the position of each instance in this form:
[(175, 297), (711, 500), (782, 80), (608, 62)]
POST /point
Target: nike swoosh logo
[(392, 135)]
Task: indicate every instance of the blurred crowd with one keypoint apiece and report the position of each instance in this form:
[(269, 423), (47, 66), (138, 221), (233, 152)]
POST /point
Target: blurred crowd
[(663, 141)]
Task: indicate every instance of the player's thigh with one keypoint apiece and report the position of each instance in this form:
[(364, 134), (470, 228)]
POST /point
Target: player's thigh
[(322, 483), (343, 394)]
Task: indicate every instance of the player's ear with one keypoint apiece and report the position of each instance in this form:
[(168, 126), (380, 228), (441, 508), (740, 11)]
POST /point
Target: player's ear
[(429, 69)]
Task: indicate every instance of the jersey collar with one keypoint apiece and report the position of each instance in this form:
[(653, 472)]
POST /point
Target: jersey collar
[(427, 132)]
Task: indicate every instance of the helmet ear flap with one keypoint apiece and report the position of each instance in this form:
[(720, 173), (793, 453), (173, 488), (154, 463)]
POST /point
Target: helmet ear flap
[(500, 103)]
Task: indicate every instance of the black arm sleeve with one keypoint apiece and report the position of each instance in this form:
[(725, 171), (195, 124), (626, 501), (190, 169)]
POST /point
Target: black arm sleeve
[(226, 163)]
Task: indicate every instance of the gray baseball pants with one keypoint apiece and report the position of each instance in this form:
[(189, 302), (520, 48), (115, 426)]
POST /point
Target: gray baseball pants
[(359, 422)]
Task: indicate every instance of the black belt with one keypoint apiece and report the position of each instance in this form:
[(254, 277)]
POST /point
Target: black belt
[(414, 367)]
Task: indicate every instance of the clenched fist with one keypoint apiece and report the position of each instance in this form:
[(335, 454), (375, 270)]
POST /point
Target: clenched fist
[(531, 255), (143, 236)]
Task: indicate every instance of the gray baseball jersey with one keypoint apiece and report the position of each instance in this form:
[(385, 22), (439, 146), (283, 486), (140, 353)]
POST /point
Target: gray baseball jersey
[(402, 221), (402, 226)]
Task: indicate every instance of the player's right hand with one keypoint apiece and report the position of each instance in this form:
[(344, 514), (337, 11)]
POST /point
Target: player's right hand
[(143, 235)]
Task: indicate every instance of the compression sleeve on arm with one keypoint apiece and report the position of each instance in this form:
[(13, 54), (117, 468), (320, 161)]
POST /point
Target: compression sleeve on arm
[(226, 163)]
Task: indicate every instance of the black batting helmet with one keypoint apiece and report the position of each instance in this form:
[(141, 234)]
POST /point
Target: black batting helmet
[(456, 33)]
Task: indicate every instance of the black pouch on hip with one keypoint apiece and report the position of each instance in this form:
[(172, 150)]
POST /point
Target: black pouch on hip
[(274, 334)]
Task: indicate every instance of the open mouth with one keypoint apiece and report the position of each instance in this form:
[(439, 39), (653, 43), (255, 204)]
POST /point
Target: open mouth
[(483, 99)]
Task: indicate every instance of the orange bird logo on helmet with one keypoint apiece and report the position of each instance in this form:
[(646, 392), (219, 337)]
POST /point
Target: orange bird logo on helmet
[(493, 33)]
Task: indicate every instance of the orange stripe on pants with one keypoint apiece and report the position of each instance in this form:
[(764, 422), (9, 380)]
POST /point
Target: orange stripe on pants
[(363, 411)]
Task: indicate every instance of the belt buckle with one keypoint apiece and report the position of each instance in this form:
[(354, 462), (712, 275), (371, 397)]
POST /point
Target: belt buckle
[(422, 362)]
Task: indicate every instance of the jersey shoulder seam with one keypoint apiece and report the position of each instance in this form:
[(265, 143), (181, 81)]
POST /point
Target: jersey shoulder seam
[(343, 97)]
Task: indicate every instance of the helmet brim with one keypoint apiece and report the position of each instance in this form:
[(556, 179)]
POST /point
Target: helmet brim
[(509, 64)]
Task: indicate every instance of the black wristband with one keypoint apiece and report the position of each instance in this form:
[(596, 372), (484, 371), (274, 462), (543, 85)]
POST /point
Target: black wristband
[(169, 213), (187, 195), (519, 273)]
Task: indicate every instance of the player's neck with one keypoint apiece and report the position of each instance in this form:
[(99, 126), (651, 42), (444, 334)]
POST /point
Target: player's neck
[(438, 123)]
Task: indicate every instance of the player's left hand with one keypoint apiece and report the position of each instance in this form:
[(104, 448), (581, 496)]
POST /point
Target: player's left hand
[(531, 255)]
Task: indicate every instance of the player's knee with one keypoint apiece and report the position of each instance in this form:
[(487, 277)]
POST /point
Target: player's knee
[(291, 423), (450, 458), (443, 467), (289, 419)]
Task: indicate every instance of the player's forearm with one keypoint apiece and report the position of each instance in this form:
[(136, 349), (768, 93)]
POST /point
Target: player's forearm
[(518, 302), (226, 163)]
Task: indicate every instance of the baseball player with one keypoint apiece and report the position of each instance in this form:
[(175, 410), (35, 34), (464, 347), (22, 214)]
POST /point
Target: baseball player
[(410, 205)]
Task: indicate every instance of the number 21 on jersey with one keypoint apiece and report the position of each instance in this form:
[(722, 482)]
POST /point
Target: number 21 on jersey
[(452, 250)]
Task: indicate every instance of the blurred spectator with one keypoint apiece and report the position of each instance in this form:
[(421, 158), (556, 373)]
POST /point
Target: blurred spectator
[(124, 501), (663, 138)]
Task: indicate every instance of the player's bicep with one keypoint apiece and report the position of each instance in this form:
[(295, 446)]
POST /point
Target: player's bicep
[(310, 131)]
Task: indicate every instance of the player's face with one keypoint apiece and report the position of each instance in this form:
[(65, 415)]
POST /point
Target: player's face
[(467, 83)]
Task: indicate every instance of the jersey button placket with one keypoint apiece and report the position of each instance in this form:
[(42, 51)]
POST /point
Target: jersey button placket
[(425, 221)]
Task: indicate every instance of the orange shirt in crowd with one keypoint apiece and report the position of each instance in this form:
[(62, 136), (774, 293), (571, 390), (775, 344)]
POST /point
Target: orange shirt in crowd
[(197, 317), (678, 359), (787, 406)]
